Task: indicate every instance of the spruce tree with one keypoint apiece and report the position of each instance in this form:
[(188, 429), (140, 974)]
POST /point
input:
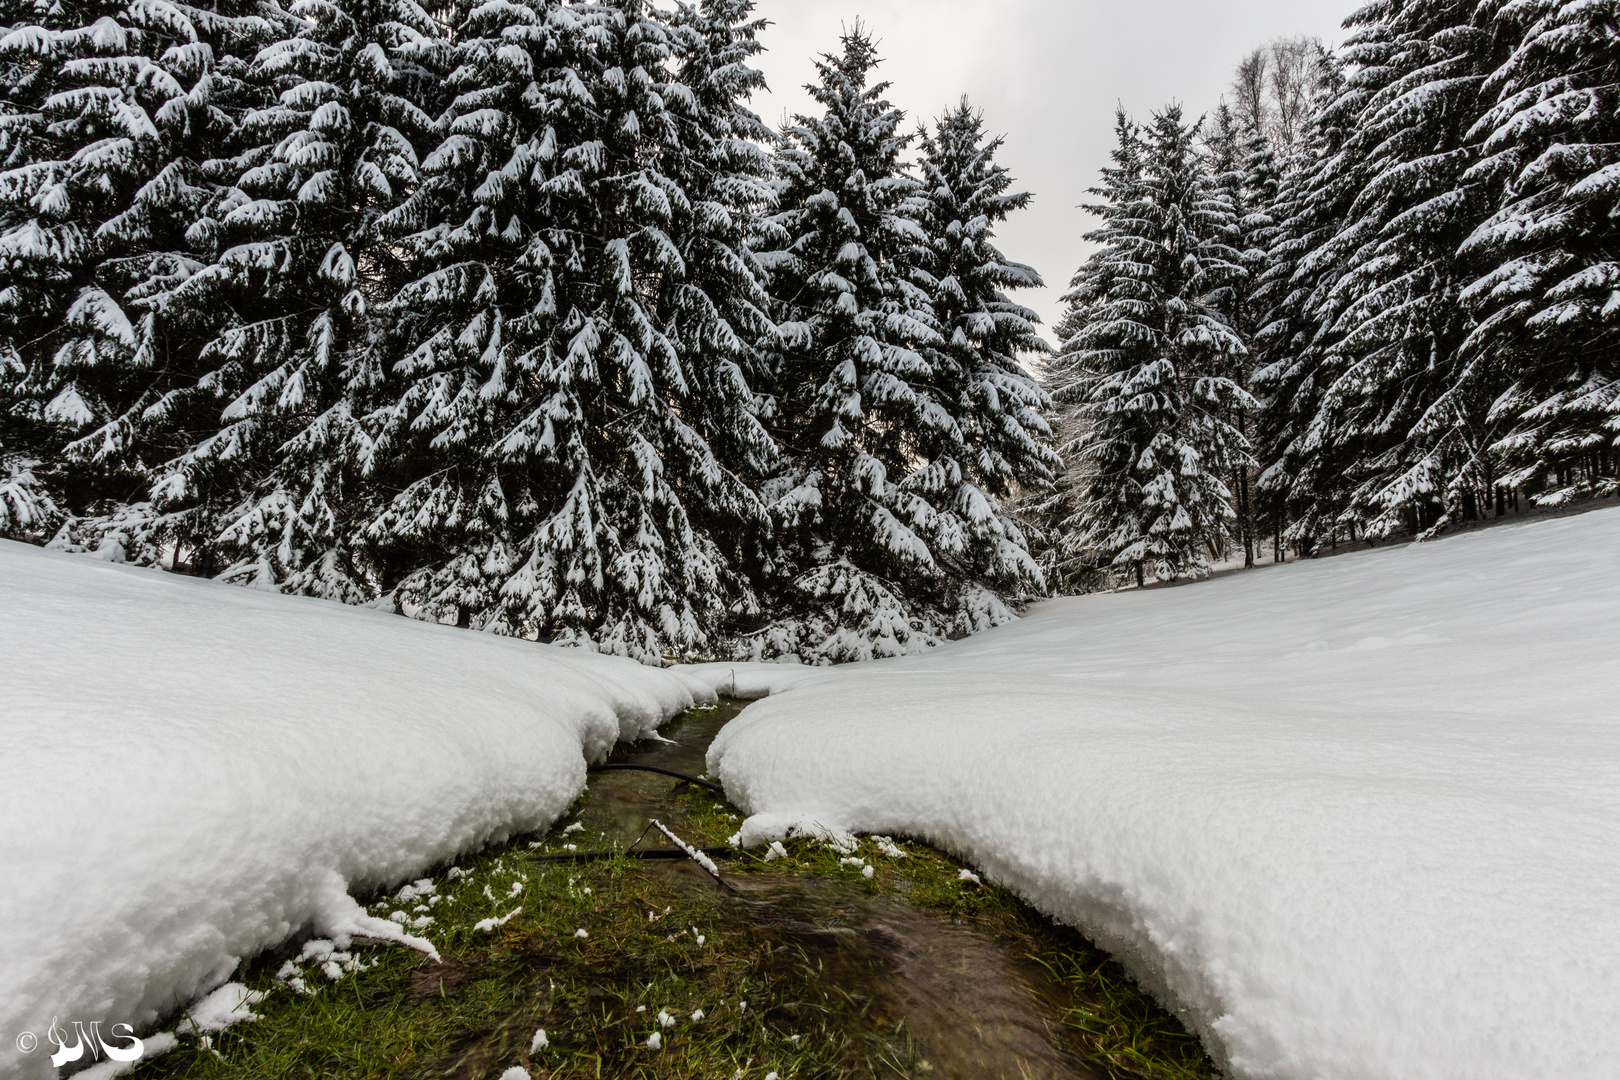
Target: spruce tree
[(1371, 420), (858, 568), (997, 440), (1069, 559), (581, 332), (1549, 323), (111, 115), (720, 310), (1148, 357), (1302, 486), (1421, 426), (1242, 164), (296, 268)]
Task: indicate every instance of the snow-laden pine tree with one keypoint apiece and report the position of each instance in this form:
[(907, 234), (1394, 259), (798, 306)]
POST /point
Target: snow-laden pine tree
[(581, 331), (1070, 562), (1243, 166), (997, 442), (111, 114), (719, 311), (1148, 358), (1420, 426), (1302, 487), (1548, 297), (858, 568), (296, 266)]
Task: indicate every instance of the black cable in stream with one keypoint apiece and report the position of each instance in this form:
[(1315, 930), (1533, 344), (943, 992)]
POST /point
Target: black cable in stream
[(655, 854), (716, 788)]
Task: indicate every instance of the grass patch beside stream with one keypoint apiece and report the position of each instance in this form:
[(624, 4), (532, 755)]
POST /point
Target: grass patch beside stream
[(659, 940)]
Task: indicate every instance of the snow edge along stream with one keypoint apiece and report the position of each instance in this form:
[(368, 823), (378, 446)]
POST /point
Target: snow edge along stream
[(192, 773)]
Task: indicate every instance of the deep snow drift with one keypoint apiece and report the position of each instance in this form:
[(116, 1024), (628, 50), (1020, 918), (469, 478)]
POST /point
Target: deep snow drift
[(1358, 819), (191, 772)]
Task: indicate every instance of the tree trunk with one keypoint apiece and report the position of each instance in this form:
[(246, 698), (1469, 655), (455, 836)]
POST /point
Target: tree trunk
[(1245, 502)]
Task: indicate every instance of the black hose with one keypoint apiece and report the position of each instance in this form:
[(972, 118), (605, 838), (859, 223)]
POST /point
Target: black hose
[(710, 785), (654, 854)]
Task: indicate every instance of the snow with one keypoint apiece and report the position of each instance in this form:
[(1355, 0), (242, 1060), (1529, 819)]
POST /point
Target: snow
[(231, 1004), (484, 926), (1351, 818), (190, 773), (693, 853), (152, 1046)]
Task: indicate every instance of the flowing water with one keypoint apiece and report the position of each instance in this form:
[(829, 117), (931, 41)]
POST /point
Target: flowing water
[(971, 1006)]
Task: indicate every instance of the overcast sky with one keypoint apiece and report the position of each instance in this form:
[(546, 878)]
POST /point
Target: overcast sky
[(1047, 74)]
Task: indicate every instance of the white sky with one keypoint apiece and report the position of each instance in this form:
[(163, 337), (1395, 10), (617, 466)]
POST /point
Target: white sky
[(1047, 74)]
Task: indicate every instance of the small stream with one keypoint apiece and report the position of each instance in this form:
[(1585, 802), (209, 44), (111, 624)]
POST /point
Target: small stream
[(974, 1007)]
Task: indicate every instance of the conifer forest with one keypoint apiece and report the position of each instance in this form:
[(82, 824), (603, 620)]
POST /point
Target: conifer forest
[(514, 315)]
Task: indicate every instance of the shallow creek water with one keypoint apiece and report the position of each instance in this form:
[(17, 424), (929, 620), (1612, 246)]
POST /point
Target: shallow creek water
[(973, 1006)]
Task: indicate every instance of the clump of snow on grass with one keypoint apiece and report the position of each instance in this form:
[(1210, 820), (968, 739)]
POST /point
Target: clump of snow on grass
[(888, 847), (416, 890), (655, 1041), (969, 877), (231, 1004), (582, 933), (1351, 818), (195, 772), (516, 1072), (539, 1042), (695, 854), (486, 925)]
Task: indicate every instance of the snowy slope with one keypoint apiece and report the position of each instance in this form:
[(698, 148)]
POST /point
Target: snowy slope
[(191, 772), (1357, 819)]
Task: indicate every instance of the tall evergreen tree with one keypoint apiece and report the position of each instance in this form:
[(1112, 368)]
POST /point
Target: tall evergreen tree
[(1072, 563), (1549, 320), (857, 564), (580, 333), (1421, 427), (1243, 166), (1148, 357), (1302, 485), (997, 440), (296, 266), (112, 113)]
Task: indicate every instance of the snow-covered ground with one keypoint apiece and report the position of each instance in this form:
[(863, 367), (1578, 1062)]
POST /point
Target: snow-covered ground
[(1358, 819), (191, 772), (1355, 819)]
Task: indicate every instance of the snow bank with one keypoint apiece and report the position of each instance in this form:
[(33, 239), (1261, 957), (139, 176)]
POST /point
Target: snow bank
[(1355, 819), (191, 772)]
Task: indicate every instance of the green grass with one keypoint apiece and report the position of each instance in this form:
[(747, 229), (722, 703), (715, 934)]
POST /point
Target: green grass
[(474, 1015)]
